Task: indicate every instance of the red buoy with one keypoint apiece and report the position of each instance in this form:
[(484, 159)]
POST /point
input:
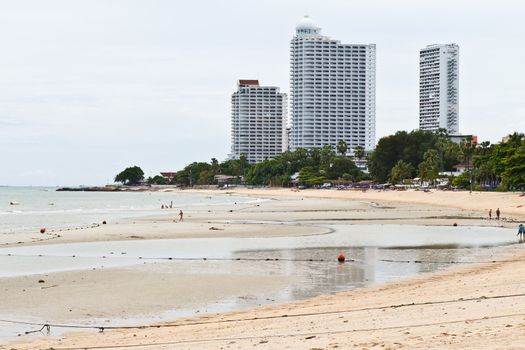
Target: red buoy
[(43, 230), (341, 258)]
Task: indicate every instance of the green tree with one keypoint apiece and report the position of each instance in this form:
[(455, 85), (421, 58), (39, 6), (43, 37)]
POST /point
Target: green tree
[(503, 158), (157, 180), (409, 147), (196, 173), (359, 152), (343, 165), (401, 171), (267, 172), (309, 176), (315, 157), (130, 176), (484, 173), (327, 155), (461, 181), (215, 167), (429, 167), (342, 147), (243, 162), (441, 144), (452, 155), (514, 173), (467, 147), (230, 167)]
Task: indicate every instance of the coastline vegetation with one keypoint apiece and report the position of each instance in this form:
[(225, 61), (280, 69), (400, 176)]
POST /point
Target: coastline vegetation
[(130, 176), (397, 158)]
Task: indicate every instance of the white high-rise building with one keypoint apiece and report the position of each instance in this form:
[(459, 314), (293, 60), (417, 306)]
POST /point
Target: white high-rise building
[(438, 88), (258, 121), (333, 90)]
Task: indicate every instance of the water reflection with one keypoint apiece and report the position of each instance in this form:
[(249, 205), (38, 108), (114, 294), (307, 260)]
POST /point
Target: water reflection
[(369, 265)]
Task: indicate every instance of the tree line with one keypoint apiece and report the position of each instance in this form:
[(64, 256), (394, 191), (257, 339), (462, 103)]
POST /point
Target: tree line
[(397, 157), (406, 155)]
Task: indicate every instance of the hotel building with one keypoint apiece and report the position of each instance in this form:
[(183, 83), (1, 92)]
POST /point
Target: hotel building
[(438, 88), (258, 123), (333, 90)]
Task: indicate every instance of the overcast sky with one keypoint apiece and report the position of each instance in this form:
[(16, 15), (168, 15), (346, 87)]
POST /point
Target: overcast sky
[(90, 87)]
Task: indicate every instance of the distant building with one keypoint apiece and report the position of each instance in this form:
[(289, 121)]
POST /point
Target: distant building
[(168, 175), (438, 88), (333, 90), (258, 123), (225, 180)]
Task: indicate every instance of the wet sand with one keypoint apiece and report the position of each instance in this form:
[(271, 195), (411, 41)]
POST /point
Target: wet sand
[(126, 292), (451, 323), (464, 308)]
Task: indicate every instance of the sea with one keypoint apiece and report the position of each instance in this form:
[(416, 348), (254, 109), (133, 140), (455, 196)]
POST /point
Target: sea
[(27, 209)]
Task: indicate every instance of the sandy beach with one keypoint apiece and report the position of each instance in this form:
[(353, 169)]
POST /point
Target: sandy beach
[(469, 306)]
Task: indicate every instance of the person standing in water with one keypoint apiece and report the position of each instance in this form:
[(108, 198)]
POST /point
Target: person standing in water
[(181, 216), (521, 232), (498, 213), (490, 214)]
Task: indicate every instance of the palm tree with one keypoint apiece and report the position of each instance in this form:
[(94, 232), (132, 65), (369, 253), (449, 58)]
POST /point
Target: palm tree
[(215, 168), (429, 167), (327, 155), (402, 170), (467, 146), (243, 162), (359, 152), (441, 144), (342, 147), (515, 138)]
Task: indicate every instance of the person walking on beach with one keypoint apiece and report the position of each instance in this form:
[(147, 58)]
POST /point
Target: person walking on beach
[(490, 214), (498, 213), (521, 232), (181, 216)]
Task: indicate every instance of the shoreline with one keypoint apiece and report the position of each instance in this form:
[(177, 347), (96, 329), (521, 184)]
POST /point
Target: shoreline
[(511, 204), (264, 332)]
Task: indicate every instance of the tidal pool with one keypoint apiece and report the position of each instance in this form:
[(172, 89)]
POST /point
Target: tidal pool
[(376, 253), (368, 245)]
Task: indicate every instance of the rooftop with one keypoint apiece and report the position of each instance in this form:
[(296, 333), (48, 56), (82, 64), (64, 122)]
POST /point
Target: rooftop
[(248, 82)]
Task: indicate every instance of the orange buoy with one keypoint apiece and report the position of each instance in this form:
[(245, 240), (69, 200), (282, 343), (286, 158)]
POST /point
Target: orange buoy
[(341, 258), (43, 230)]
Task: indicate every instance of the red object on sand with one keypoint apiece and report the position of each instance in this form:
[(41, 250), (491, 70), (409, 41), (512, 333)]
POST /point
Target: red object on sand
[(341, 258), (43, 230)]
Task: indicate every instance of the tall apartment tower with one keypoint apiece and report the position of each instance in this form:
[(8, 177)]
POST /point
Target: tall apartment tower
[(258, 121), (438, 88), (333, 90)]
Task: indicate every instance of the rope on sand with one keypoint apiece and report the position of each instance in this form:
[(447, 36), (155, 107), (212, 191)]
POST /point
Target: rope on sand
[(309, 335), (111, 256), (171, 258), (101, 329), (441, 262)]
